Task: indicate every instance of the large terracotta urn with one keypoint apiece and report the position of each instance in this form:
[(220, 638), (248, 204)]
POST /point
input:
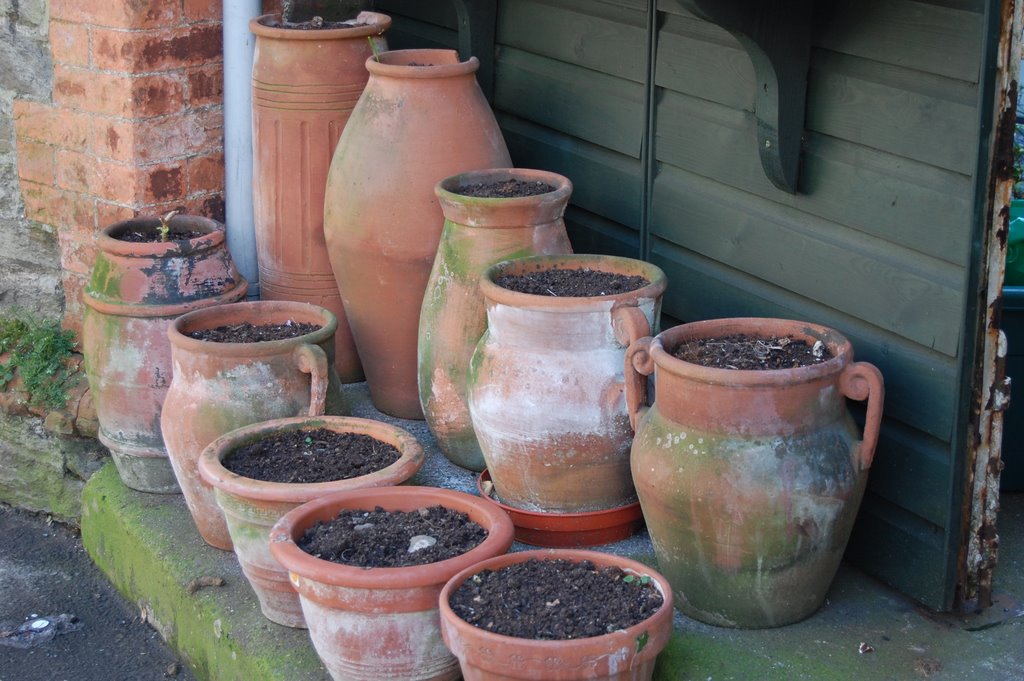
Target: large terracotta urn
[(218, 387), (305, 83), (750, 480), (478, 232), (134, 293), (421, 118), (546, 390)]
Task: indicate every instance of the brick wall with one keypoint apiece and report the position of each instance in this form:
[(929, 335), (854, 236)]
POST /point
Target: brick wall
[(134, 125)]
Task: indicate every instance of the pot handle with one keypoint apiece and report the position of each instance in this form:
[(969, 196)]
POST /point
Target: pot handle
[(312, 360), (637, 367), (631, 327), (863, 381)]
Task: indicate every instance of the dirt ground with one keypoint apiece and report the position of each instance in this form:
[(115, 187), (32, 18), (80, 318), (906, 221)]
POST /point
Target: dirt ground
[(44, 571)]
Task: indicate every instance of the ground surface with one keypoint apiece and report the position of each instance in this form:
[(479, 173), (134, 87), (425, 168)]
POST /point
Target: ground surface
[(45, 571)]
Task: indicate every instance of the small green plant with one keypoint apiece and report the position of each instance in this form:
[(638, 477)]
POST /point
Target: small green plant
[(38, 353), (373, 48), (164, 229)]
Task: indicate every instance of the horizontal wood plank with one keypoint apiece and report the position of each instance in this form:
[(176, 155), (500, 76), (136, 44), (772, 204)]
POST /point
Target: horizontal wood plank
[(590, 233), (406, 34), (435, 13)]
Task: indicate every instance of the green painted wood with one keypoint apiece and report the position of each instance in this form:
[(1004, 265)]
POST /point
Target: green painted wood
[(438, 13), (906, 33), (702, 60), (920, 385), (477, 25), (408, 34), (927, 118), (911, 204), (596, 36), (589, 233), (913, 471), (592, 106), (591, 168), (896, 289)]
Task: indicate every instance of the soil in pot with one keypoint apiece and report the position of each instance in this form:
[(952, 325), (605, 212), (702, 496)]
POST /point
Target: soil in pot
[(311, 456), (555, 600), (149, 236), (381, 538), (572, 283), (744, 352), (247, 332), (317, 23), (505, 189)]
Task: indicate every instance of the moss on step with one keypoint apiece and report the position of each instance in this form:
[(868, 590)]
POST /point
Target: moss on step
[(148, 547)]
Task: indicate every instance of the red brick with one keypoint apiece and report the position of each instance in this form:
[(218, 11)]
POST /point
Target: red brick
[(117, 182), (271, 6), (117, 95), (210, 205), (159, 139), (69, 43), (117, 13), (77, 249), (75, 171), (202, 10), (108, 213), (33, 121), (155, 50), (73, 283), (206, 174), (163, 183), (60, 127), (36, 162), (43, 203), (206, 85)]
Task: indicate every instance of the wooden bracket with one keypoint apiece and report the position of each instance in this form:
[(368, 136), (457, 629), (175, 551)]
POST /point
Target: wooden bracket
[(777, 36), (478, 23)]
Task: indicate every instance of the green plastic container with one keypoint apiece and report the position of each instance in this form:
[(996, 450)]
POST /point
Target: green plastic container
[(1013, 422)]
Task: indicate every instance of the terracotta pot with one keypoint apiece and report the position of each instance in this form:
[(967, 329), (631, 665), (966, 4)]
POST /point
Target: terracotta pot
[(218, 387), (478, 232), (381, 623), (413, 125), (624, 655), (136, 290), (567, 530), (304, 86), (546, 387), (251, 507), (750, 481)]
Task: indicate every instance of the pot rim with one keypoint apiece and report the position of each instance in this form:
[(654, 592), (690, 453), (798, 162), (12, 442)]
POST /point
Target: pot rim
[(498, 212), (395, 64), (838, 345), (500, 532), (213, 235), (379, 24), (212, 469), (261, 310), (544, 647), (606, 263)]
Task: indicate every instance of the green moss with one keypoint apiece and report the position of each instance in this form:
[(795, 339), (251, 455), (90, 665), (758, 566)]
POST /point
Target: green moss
[(39, 352)]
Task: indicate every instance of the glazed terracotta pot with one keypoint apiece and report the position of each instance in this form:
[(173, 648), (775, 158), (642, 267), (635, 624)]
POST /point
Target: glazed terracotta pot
[(136, 290), (478, 232), (381, 623), (750, 481), (421, 118), (218, 387), (304, 86), (251, 507), (623, 655), (546, 386)]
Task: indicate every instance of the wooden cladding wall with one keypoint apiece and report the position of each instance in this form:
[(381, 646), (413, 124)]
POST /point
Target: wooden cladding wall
[(876, 243)]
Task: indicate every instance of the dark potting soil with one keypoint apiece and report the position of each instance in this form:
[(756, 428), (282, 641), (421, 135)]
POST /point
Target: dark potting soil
[(505, 189), (305, 456), (138, 236), (314, 24), (380, 538), (572, 283), (555, 600), (740, 351), (247, 332)]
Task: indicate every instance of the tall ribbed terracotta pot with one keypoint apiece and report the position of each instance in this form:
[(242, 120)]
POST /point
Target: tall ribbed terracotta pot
[(750, 481), (545, 386), (251, 507), (369, 624), (304, 86), (478, 232), (421, 118), (134, 293), (218, 387)]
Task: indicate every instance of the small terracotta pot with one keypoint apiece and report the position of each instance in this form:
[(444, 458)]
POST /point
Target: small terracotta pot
[(421, 118), (624, 655), (478, 232), (381, 623), (750, 481), (304, 86), (218, 387), (251, 507), (546, 386), (136, 290), (567, 530)]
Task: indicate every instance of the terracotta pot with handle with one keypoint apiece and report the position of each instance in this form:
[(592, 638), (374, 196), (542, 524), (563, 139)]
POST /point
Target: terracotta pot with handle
[(750, 480), (218, 387)]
